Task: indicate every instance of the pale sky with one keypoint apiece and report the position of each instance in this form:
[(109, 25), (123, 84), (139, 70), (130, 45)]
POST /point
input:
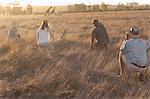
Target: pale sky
[(65, 2)]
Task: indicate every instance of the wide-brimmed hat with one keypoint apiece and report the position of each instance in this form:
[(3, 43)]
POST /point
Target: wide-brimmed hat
[(135, 32)]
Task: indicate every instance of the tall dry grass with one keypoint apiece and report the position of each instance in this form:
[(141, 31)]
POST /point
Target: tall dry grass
[(28, 72)]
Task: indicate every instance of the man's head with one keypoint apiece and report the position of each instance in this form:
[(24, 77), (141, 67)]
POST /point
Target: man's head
[(96, 22), (134, 32)]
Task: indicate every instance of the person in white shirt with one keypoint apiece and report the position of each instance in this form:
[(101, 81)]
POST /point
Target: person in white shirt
[(133, 53), (44, 37)]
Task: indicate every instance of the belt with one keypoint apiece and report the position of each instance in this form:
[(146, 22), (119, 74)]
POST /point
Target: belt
[(138, 66)]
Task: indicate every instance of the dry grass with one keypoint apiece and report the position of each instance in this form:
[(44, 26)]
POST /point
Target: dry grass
[(28, 72)]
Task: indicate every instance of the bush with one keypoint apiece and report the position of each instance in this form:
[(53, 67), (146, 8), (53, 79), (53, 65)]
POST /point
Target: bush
[(29, 9), (70, 8), (104, 6), (121, 7), (95, 7), (77, 8), (80, 7)]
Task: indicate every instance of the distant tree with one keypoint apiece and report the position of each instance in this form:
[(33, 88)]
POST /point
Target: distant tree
[(89, 8), (80, 7), (104, 6), (122, 7), (147, 7), (15, 8), (8, 10), (77, 8), (95, 7), (70, 8), (29, 9), (132, 4)]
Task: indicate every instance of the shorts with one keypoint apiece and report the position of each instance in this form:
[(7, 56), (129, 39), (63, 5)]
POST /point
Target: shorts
[(131, 67)]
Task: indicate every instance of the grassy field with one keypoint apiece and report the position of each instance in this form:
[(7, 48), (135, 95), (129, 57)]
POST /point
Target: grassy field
[(28, 72)]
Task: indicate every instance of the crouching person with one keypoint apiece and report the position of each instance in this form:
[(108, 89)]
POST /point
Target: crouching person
[(44, 37), (133, 54)]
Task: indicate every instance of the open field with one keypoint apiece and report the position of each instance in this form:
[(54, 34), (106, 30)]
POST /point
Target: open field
[(28, 72)]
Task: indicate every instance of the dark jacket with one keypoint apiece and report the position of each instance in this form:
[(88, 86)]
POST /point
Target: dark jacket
[(100, 34)]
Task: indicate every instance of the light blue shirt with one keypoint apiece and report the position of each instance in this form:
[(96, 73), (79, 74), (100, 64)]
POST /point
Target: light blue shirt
[(135, 51)]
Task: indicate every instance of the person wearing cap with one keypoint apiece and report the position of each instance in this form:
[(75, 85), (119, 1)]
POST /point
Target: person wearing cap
[(100, 38), (133, 53)]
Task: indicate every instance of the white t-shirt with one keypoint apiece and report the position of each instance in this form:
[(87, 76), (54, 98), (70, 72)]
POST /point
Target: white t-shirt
[(136, 51), (44, 36)]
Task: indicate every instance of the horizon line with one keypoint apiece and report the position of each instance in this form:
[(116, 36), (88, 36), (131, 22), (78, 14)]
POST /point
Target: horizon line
[(86, 4)]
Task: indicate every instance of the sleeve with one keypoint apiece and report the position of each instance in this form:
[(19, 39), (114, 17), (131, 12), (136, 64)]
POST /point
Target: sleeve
[(38, 30)]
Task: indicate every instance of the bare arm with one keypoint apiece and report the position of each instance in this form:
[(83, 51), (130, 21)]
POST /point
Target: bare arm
[(124, 47)]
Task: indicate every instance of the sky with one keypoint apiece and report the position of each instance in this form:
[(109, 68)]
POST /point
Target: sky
[(66, 2)]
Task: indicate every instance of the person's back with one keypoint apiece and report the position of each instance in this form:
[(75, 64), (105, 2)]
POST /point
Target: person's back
[(43, 37), (100, 38), (136, 50), (101, 34)]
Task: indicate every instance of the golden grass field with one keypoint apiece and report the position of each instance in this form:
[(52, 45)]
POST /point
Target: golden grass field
[(28, 72)]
